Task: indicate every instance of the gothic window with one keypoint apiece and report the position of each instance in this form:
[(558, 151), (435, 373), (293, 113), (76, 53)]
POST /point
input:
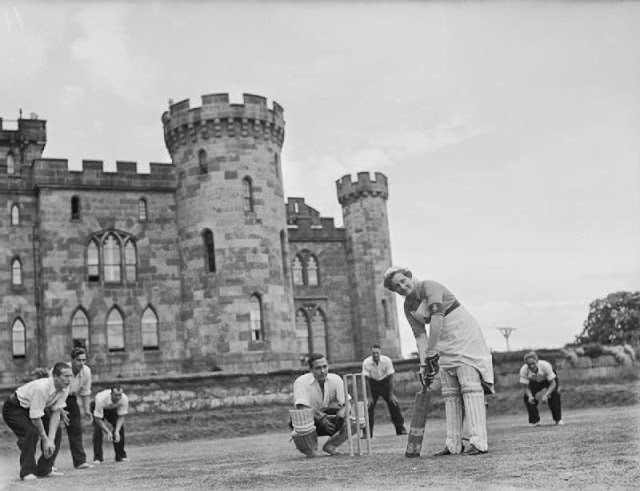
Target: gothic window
[(385, 312), (130, 260), (16, 272), (115, 331), (18, 339), (80, 329), (283, 252), (202, 162), (255, 316), (149, 330), (303, 328), (112, 255), (75, 208), (319, 333), (10, 164), (209, 251), (296, 269), (93, 262), (247, 194), (111, 250), (142, 210), (15, 215), (312, 271)]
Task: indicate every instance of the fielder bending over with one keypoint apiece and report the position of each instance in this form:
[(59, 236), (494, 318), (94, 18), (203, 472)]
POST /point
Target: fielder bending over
[(456, 345), (320, 409)]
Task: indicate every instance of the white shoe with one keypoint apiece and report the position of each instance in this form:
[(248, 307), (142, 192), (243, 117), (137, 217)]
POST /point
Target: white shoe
[(535, 424), (559, 422), (124, 459), (85, 465), (55, 474), (29, 477), (97, 462), (54, 468)]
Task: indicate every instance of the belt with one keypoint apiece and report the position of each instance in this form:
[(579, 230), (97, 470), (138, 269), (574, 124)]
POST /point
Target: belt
[(453, 307)]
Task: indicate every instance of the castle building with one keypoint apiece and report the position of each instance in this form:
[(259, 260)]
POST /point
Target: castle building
[(197, 265)]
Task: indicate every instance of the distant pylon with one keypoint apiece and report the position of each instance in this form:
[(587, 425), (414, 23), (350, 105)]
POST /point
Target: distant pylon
[(506, 332)]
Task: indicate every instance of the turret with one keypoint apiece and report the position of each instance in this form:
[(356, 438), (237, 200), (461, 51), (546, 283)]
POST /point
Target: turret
[(232, 231), (21, 141), (364, 209)]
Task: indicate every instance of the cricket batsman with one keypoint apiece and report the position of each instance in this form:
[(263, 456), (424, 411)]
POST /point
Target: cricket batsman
[(456, 349)]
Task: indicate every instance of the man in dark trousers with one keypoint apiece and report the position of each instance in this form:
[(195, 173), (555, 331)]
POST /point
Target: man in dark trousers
[(78, 406), (33, 413), (110, 405), (538, 376), (378, 369)]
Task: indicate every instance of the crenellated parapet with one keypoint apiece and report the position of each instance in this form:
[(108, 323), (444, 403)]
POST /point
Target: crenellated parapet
[(217, 117), (23, 131), (55, 173), (306, 225), (350, 191)]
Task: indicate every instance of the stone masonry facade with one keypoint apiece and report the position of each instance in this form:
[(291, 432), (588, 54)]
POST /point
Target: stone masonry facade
[(198, 265)]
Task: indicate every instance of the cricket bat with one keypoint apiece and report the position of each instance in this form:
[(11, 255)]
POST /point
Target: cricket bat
[(418, 422)]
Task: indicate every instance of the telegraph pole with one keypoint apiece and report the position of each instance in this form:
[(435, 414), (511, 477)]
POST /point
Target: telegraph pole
[(506, 332)]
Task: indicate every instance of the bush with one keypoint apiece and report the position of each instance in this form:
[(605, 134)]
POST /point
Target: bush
[(593, 350)]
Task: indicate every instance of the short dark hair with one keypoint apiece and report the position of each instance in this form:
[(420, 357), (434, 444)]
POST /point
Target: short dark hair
[(391, 272), (78, 350), (314, 357), (58, 367), (375, 346), (115, 387)]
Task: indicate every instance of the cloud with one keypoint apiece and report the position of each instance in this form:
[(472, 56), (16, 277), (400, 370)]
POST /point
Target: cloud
[(107, 52), (457, 129)]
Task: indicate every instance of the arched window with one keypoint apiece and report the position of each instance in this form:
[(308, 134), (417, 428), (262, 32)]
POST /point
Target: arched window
[(255, 316), (115, 331), (131, 260), (247, 194), (75, 208), (19, 339), (209, 251), (80, 329), (16, 272), (93, 262), (112, 259), (296, 269), (275, 163), (385, 313), (319, 333), (11, 168), (149, 330), (303, 328), (312, 271), (142, 209), (202, 162), (15, 215), (283, 252)]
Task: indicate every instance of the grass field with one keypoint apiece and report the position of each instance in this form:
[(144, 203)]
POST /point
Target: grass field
[(597, 448)]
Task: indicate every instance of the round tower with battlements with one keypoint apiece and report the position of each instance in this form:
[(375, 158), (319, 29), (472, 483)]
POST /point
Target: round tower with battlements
[(232, 232), (364, 210)]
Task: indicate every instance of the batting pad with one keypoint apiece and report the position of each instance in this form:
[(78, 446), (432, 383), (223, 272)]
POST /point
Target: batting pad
[(302, 420), (476, 413), (306, 444)]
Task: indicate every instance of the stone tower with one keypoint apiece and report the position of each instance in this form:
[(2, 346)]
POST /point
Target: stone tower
[(364, 210), (232, 232)]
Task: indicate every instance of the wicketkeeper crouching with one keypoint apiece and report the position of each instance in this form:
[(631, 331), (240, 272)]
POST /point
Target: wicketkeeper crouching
[(320, 409)]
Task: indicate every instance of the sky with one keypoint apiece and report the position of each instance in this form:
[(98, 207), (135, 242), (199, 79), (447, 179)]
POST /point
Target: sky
[(509, 131)]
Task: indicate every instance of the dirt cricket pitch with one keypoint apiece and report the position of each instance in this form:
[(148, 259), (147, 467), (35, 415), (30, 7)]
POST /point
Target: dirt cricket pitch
[(596, 449)]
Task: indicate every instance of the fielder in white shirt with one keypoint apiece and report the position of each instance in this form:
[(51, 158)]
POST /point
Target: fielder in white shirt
[(378, 370)]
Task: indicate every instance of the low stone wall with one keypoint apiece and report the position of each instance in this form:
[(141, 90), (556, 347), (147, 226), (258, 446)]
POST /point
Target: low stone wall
[(212, 390)]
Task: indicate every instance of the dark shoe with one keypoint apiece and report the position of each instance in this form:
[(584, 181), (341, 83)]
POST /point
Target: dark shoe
[(442, 453), (472, 450), (401, 431)]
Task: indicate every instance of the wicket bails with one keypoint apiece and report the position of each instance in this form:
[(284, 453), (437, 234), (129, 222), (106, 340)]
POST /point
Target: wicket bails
[(357, 408)]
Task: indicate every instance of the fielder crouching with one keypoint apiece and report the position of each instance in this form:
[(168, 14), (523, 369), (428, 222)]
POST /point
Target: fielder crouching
[(320, 409)]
